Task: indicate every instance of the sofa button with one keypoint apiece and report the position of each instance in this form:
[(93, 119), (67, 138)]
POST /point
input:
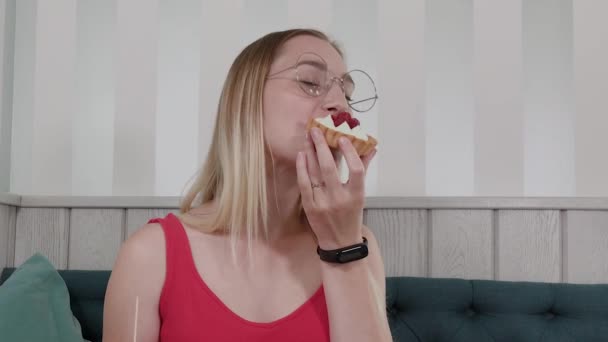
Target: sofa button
[(392, 310)]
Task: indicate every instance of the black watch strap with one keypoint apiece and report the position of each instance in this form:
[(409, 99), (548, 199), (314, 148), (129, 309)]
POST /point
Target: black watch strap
[(345, 254)]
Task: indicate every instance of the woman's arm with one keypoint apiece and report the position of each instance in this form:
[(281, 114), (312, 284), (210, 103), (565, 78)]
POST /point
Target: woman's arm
[(137, 278), (354, 291), (356, 297)]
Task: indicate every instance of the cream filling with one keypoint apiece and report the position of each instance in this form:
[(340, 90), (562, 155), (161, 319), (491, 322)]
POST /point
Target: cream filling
[(357, 132)]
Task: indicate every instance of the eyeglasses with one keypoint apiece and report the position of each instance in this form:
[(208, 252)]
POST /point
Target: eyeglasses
[(314, 78)]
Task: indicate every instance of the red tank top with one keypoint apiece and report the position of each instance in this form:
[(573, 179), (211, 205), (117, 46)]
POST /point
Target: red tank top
[(190, 311)]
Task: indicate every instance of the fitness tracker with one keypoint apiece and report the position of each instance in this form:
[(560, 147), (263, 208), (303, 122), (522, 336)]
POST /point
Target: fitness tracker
[(345, 254)]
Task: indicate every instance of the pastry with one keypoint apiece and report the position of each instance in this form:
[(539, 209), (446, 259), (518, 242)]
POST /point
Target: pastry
[(343, 124)]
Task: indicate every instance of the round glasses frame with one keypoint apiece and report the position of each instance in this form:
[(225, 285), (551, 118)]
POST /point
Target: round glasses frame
[(331, 78)]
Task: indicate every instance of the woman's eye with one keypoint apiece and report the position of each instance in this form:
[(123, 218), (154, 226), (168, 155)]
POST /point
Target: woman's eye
[(309, 83)]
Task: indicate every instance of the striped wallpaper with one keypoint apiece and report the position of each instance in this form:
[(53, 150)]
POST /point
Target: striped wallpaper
[(477, 97), (6, 78)]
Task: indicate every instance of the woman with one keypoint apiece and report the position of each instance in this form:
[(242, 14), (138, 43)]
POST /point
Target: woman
[(241, 262)]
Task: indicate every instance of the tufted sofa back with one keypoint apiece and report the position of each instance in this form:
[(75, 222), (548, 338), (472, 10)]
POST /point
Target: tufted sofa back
[(457, 310), (434, 310)]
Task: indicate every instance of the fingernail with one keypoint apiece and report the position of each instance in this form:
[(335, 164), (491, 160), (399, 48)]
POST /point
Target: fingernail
[(342, 140)]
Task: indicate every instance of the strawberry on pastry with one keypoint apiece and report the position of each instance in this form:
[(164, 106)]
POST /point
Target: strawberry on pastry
[(343, 124)]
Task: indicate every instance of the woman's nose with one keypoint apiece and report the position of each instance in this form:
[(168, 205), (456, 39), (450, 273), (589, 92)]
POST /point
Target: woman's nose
[(334, 100)]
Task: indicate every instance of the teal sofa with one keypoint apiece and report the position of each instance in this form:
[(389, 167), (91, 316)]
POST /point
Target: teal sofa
[(434, 310)]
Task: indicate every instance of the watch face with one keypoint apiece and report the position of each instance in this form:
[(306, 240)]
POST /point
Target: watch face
[(353, 254)]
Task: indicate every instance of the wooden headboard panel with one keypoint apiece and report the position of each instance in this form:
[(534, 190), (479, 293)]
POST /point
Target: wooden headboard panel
[(533, 239)]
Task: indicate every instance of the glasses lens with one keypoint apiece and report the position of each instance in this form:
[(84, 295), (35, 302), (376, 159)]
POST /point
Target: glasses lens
[(360, 90), (312, 74)]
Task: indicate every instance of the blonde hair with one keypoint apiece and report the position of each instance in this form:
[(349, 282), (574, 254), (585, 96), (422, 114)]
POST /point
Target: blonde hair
[(234, 173)]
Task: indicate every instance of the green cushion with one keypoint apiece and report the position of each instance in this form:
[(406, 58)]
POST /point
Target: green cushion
[(87, 290), (35, 305)]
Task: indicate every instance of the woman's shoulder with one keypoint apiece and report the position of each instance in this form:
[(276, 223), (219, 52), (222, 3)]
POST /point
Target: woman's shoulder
[(143, 250), (137, 277), (147, 239)]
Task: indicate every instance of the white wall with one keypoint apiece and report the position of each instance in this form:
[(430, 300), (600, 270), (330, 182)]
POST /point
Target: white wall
[(7, 39), (477, 97)]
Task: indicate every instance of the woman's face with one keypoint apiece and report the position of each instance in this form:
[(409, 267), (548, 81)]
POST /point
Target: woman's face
[(287, 108)]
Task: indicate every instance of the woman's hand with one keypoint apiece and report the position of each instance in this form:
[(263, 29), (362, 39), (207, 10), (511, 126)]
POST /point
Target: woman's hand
[(334, 209)]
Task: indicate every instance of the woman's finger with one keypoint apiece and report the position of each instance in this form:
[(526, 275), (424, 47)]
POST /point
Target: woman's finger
[(311, 160), (367, 159), (327, 164), (304, 180), (356, 168)]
